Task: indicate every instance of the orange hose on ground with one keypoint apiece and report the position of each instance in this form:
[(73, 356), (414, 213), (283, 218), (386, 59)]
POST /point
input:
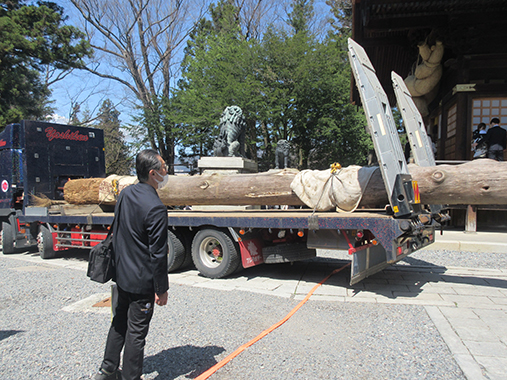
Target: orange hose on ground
[(242, 348)]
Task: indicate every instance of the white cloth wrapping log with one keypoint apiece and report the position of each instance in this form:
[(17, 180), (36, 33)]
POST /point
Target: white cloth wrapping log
[(322, 190)]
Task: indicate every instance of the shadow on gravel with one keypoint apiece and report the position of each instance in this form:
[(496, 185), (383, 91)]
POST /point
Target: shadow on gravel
[(4, 334), (177, 361), (76, 254)]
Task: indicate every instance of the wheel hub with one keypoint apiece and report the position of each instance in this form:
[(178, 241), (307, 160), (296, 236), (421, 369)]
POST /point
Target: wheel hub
[(216, 252), (211, 252)]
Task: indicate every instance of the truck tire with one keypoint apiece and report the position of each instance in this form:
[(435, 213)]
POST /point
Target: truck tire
[(175, 252), (214, 253), (285, 253), (8, 236), (186, 238), (45, 243)]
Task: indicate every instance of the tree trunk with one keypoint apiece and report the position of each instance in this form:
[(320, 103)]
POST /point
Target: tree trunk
[(268, 188), (477, 182)]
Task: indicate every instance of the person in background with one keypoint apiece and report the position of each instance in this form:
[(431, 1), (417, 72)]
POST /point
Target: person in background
[(479, 146), (140, 245), (496, 138)]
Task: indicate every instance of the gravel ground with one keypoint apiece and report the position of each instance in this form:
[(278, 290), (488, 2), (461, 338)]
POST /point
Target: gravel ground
[(323, 340)]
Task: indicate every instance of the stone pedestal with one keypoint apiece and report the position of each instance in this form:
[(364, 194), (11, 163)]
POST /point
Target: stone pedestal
[(226, 166)]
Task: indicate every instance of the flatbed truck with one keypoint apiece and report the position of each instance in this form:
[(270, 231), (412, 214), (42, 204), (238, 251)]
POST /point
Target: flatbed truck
[(219, 243)]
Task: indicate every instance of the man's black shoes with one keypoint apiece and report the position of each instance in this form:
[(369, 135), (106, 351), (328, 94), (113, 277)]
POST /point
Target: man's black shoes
[(104, 375)]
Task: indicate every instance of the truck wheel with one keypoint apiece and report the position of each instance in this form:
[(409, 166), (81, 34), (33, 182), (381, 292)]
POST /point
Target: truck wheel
[(175, 252), (284, 253), (45, 243), (8, 237), (214, 253)]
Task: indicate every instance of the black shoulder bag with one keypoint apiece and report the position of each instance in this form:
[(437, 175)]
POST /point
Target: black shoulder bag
[(101, 260)]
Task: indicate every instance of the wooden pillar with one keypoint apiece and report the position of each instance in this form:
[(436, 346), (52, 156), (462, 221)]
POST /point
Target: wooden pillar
[(443, 133), (462, 147), (471, 219)]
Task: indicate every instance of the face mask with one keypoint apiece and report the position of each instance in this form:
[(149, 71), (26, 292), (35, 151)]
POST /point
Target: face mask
[(163, 182)]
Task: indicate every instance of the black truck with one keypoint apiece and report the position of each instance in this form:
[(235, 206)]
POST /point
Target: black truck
[(36, 160)]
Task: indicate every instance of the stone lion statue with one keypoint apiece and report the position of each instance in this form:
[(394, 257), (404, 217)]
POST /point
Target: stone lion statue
[(231, 140), (282, 154)]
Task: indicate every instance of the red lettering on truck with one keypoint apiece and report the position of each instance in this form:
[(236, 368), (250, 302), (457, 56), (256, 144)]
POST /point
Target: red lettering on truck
[(52, 134)]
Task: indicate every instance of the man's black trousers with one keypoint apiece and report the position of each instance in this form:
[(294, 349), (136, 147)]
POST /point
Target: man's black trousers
[(128, 330)]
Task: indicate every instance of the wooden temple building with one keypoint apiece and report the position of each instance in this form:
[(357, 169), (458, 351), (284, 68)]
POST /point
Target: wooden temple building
[(469, 78)]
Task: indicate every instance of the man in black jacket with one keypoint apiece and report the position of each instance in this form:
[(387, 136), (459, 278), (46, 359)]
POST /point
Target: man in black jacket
[(140, 245), (496, 138)]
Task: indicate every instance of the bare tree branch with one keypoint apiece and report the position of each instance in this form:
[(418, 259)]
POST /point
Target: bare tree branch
[(53, 75), (107, 76), (137, 40), (253, 16)]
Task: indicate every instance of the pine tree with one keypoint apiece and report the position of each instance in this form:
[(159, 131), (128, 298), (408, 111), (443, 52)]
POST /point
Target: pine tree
[(290, 86), (118, 158), (218, 71), (33, 40)]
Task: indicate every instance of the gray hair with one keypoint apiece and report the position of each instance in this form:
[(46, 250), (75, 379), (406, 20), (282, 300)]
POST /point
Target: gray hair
[(147, 160)]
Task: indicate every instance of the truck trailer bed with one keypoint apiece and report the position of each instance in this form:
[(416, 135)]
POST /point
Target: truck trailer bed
[(373, 238), (382, 225)]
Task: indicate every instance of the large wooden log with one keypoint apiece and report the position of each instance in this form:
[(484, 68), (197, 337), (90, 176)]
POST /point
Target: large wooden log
[(268, 188), (477, 182), (82, 191)]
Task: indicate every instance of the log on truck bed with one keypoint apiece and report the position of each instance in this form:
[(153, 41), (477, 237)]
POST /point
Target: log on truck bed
[(477, 182)]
